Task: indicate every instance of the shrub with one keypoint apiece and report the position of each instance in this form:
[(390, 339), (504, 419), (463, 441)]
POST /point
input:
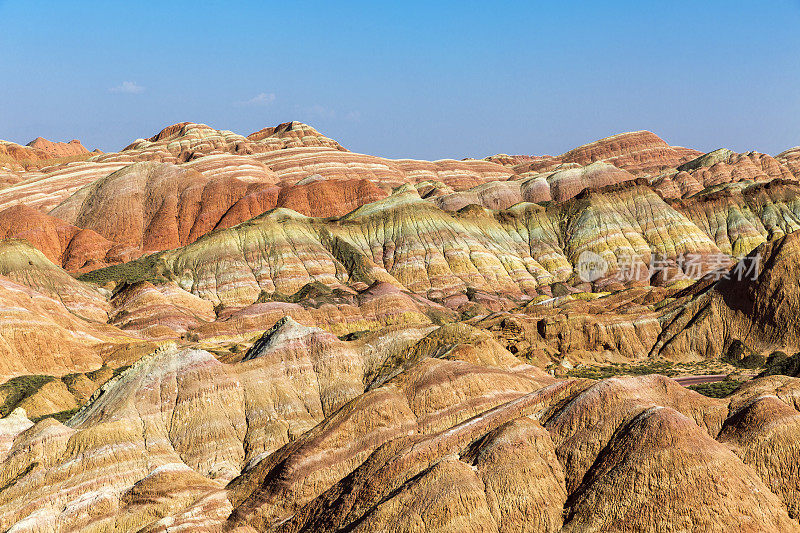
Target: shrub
[(719, 389), (17, 389), (61, 416), (740, 355), (780, 363), (143, 269), (601, 372)]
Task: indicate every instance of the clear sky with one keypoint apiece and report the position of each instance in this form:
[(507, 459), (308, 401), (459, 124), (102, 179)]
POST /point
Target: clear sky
[(407, 79)]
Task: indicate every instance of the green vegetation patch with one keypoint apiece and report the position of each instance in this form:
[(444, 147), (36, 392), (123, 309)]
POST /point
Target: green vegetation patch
[(17, 389), (61, 416), (620, 369), (719, 389), (740, 355), (148, 268), (30, 163), (314, 291), (439, 317), (779, 363), (355, 263)]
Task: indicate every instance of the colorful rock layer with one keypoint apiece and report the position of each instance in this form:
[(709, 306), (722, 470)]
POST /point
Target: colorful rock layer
[(213, 332)]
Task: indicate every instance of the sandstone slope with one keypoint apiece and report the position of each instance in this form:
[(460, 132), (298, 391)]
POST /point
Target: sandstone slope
[(290, 336)]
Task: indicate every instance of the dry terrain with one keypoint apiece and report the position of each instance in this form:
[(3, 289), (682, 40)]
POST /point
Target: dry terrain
[(207, 331)]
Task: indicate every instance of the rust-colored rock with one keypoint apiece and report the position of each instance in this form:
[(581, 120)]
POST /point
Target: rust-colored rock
[(636, 152), (62, 243), (329, 341), (40, 152)]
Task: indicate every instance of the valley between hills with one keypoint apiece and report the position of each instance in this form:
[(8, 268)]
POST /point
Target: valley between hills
[(206, 331)]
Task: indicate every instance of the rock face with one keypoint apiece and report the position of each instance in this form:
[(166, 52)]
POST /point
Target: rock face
[(57, 149), (62, 243), (235, 178), (213, 332), (45, 189), (85, 232), (25, 265), (294, 437), (513, 253), (741, 217), (37, 152), (721, 167), (164, 206), (759, 309), (636, 152), (187, 140), (662, 452), (52, 323), (566, 184), (157, 311), (293, 135), (39, 335)]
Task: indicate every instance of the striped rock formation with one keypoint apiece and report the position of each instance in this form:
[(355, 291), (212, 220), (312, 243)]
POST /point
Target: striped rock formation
[(57, 149), (162, 310), (62, 243), (40, 335), (449, 431), (294, 166), (638, 152), (513, 253), (760, 309), (289, 336), (179, 143), (23, 264), (39, 152), (164, 206), (307, 370), (741, 216), (46, 188), (722, 167), (790, 158), (341, 311), (186, 141)]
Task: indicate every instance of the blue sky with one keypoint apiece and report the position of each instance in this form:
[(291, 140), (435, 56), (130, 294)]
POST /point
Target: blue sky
[(412, 79)]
